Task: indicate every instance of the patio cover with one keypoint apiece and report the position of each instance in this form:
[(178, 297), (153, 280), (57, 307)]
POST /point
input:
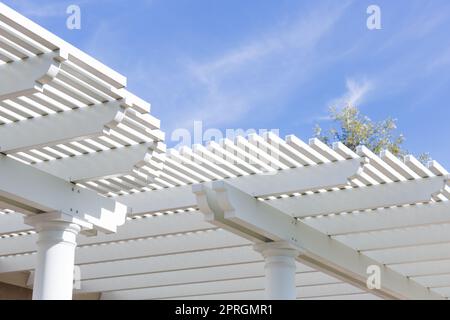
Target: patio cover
[(204, 222)]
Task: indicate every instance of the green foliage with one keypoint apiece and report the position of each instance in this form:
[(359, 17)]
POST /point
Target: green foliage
[(354, 129)]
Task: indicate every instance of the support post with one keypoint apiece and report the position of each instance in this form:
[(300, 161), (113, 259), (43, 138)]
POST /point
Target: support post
[(57, 233), (279, 268)]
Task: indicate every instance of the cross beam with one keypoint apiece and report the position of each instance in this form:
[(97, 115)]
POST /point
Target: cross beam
[(241, 212), (383, 195), (28, 76), (72, 125), (39, 192), (284, 181), (104, 164)]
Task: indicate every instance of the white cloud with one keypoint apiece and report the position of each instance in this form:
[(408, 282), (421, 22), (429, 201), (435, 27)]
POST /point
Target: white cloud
[(40, 9), (440, 60), (252, 78), (48, 8), (253, 74), (356, 93)]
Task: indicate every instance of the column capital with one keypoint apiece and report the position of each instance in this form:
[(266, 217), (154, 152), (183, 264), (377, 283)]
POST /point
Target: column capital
[(56, 243), (276, 248), (40, 221), (279, 268)]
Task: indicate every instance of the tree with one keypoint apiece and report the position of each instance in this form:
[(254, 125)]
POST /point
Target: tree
[(354, 129)]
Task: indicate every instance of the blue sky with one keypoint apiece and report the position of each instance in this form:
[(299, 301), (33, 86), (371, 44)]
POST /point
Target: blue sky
[(272, 64)]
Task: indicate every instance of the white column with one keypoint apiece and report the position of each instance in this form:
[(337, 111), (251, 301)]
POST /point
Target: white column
[(53, 276), (279, 269)]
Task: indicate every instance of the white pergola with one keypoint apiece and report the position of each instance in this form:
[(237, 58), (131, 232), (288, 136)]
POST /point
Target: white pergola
[(86, 180)]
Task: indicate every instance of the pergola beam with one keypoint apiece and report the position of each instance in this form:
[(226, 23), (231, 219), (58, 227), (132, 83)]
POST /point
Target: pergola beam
[(28, 76), (284, 181), (384, 195), (125, 250), (134, 229), (406, 255), (103, 164), (160, 200), (205, 289), (315, 248), (23, 185), (173, 262), (51, 42), (73, 125), (189, 276), (303, 293), (385, 219), (12, 223), (389, 239), (300, 179)]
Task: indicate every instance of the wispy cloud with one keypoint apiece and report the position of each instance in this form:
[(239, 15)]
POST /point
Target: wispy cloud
[(356, 93), (415, 24), (256, 74), (440, 60), (251, 77), (41, 9), (51, 8)]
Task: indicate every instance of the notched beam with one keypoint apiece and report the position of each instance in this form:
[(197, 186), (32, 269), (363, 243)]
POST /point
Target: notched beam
[(72, 125), (100, 165), (300, 179), (39, 191), (28, 76), (362, 198), (315, 248)]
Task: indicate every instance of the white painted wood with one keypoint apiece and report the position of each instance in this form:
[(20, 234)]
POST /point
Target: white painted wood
[(315, 247), (408, 237), (218, 288), (384, 219), (136, 248), (52, 42), (286, 181), (385, 195), (349, 296), (434, 281), (173, 262), (279, 266), (379, 164), (398, 165), (27, 76), (103, 164), (417, 167), (344, 151), (160, 200), (303, 293), (189, 276), (54, 272), (72, 125), (423, 268), (34, 189), (430, 252), (324, 150), (142, 228), (12, 223), (298, 179), (444, 291), (66, 113)]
